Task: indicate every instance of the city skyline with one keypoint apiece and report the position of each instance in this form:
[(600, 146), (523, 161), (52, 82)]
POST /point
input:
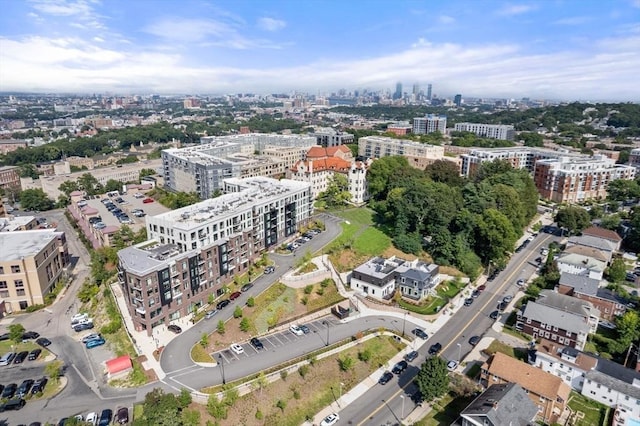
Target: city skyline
[(586, 50)]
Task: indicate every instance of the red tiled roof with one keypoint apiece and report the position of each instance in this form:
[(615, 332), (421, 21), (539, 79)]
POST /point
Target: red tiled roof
[(316, 152)]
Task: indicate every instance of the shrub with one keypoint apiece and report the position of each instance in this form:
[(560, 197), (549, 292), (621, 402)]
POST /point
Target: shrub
[(237, 312), (303, 370), (231, 395), (346, 363), (281, 404), (221, 327), (320, 291), (34, 308), (284, 374), (365, 355), (308, 289), (259, 415), (112, 327), (325, 283), (304, 300), (251, 302), (245, 325), (296, 394)]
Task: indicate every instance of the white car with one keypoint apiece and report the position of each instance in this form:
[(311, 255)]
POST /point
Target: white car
[(237, 349), (330, 420), (79, 317), (296, 330), (92, 418), (452, 365)]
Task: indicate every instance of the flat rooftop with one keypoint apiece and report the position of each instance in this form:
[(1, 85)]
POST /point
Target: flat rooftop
[(25, 243), (148, 256)]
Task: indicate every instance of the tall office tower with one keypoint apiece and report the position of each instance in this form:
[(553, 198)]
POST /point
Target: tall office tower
[(428, 92), (457, 100), (416, 89), (398, 92)]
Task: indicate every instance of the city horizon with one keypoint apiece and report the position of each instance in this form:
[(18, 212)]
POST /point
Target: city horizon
[(518, 50)]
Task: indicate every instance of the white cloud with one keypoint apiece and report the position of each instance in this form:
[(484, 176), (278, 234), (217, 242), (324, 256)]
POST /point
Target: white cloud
[(515, 9), (270, 24), (574, 20), (602, 72), (81, 10), (445, 19)]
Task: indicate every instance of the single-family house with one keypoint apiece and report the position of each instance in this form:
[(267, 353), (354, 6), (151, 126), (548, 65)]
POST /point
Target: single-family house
[(501, 404), (417, 279), (376, 277), (582, 308), (579, 264), (606, 234)]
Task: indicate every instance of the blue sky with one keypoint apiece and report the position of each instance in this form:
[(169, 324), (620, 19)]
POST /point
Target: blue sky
[(557, 49)]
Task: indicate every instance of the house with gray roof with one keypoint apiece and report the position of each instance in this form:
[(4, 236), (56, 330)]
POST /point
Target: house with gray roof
[(582, 287), (616, 386), (500, 404), (579, 307), (579, 264), (604, 245), (558, 325), (417, 279), (376, 277)]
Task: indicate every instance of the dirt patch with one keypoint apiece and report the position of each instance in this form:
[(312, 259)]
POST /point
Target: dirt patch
[(392, 251), (347, 259)]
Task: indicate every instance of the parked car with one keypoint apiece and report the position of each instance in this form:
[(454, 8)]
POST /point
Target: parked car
[(520, 282), (34, 354), (20, 357), (237, 349), (507, 298), (122, 416), (494, 315), (296, 330), (105, 417), (304, 328), (147, 200), (475, 293), (82, 327), (474, 340), (25, 387), (330, 420), (39, 385), (92, 418), (13, 404), (174, 329), (221, 304), (4, 336), (9, 391), (385, 378), (43, 341), (210, 314), (7, 358), (411, 356), (435, 348), (420, 333), (91, 336), (94, 343), (400, 367), (30, 335), (502, 306), (256, 343), (468, 301), (452, 365), (269, 269), (235, 295)]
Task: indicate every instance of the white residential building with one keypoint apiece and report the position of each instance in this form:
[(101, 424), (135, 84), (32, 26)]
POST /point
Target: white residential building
[(430, 123), (419, 155), (494, 131)]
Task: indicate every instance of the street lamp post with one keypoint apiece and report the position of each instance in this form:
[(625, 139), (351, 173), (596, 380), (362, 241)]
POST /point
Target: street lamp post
[(402, 412), (459, 352), (404, 321), (224, 381), (327, 324)]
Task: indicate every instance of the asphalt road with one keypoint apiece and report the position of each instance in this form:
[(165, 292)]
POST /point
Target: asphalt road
[(383, 405)]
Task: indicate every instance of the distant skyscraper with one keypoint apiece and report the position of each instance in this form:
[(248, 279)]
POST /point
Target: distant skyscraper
[(429, 92), (416, 89), (398, 92), (457, 100)]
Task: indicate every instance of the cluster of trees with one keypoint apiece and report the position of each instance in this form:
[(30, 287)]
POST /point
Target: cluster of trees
[(167, 409), (460, 222), (337, 193), (174, 200)]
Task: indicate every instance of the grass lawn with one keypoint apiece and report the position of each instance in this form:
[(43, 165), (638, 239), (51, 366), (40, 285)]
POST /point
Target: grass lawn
[(431, 305), (445, 411), (594, 412), (6, 345), (360, 216), (371, 242), (497, 346)]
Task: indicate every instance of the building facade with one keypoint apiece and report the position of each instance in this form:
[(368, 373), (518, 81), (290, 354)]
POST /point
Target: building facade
[(418, 154), (493, 131), (328, 137), (33, 266), (9, 177), (430, 123)]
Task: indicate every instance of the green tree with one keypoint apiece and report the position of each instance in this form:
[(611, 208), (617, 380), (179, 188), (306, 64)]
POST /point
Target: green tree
[(221, 327), (184, 398), (337, 193), (444, 171), (432, 380), (495, 236), (237, 312), (611, 221), (190, 418), (35, 199), (88, 183), (628, 328), (113, 185), (54, 370), (161, 409), (573, 218), (346, 363), (216, 408), (15, 332), (617, 271), (204, 340), (245, 325), (251, 302), (28, 170), (69, 186), (147, 172)]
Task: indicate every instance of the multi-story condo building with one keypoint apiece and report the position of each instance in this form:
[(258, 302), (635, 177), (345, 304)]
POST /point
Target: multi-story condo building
[(430, 123), (327, 137), (420, 155), (399, 128), (9, 177), (194, 251), (634, 158), (582, 287), (577, 179), (268, 209), (31, 263), (202, 168), (495, 131)]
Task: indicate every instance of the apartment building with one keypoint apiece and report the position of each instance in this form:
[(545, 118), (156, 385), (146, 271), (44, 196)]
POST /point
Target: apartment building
[(400, 128), (548, 392), (430, 123), (327, 137), (582, 287), (9, 177), (493, 131), (634, 158), (573, 180), (419, 155), (31, 268), (269, 210), (202, 168)]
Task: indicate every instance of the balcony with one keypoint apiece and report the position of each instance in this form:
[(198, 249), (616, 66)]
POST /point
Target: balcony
[(141, 311)]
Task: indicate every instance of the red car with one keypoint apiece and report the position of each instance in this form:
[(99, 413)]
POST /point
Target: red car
[(147, 200), (235, 295)]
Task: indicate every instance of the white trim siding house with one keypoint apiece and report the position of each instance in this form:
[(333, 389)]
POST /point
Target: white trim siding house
[(578, 264), (376, 277), (417, 279)]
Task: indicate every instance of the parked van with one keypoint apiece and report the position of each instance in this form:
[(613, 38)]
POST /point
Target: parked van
[(7, 358)]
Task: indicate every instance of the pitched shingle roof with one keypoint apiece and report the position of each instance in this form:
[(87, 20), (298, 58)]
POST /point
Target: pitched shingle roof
[(502, 404), (602, 233), (580, 283), (555, 317)]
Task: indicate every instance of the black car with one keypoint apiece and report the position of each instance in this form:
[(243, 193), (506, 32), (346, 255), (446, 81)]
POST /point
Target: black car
[(468, 301), (304, 328), (502, 306), (221, 304), (400, 367), (435, 348), (474, 340), (420, 333), (25, 387), (34, 354), (475, 293), (122, 416), (4, 336), (30, 335), (20, 357), (386, 378), (494, 315), (174, 329), (9, 391), (256, 343), (246, 287), (13, 404), (411, 356), (105, 417), (81, 327), (39, 385), (43, 341)]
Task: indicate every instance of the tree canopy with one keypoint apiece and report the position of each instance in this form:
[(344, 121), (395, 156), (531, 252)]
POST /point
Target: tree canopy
[(432, 380)]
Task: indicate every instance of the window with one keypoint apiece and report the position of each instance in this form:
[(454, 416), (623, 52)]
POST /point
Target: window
[(15, 269), (3, 284), (4, 293), (19, 283), (1, 269), (20, 292)]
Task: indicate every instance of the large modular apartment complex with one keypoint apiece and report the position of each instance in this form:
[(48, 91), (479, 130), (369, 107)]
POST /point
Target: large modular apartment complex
[(194, 251), (202, 168)]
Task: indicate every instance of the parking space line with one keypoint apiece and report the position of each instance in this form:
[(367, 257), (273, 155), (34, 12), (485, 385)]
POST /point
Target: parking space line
[(278, 338), (268, 339)]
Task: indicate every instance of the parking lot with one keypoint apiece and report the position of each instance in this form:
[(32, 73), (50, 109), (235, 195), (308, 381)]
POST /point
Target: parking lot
[(315, 330)]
